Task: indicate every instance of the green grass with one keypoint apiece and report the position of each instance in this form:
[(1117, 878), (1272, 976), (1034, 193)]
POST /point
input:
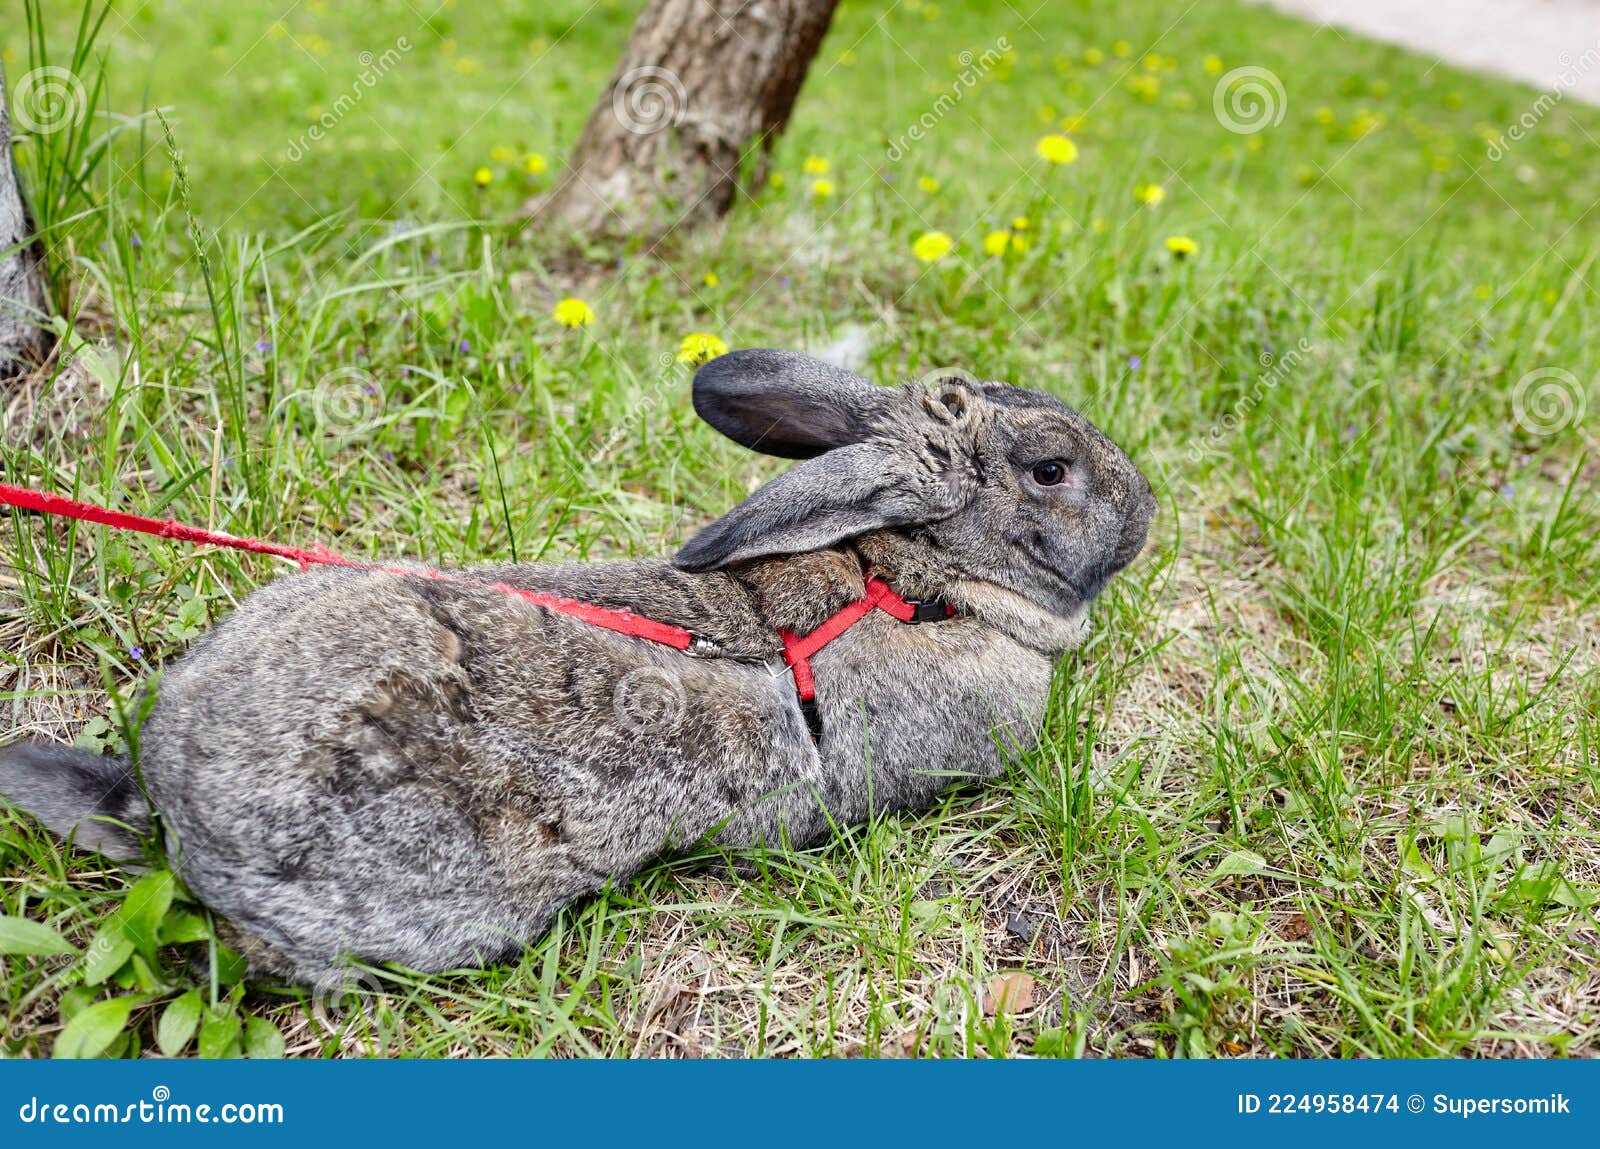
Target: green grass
[(1324, 782)]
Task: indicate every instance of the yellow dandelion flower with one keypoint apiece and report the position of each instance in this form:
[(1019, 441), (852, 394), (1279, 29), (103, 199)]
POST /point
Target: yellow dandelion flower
[(822, 189), (712, 279), (483, 177), (815, 166), (700, 347), (932, 246), (1145, 87), (1325, 116), (1152, 62), (501, 154), (534, 164), (1020, 223), (1122, 49), (1093, 56), (1149, 194), (1212, 64), (1047, 113), (1056, 149), (1019, 244), (1365, 123), (1181, 245), (573, 312), (776, 180), (928, 184), (996, 242)]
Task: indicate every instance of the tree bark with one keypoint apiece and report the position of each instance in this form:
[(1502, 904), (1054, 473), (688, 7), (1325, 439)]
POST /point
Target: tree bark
[(23, 297), (700, 83)]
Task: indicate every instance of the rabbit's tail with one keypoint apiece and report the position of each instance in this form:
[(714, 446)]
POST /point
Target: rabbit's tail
[(69, 790)]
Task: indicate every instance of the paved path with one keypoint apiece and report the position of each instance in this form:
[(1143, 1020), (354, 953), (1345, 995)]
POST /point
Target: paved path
[(1546, 43)]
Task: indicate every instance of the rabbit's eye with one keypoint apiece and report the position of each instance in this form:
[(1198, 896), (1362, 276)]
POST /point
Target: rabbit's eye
[(1050, 474)]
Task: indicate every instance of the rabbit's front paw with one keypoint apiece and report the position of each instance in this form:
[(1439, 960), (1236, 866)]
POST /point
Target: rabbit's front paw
[(800, 592)]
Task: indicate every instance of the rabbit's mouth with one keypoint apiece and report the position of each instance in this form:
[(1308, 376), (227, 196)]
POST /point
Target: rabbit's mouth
[(1078, 592)]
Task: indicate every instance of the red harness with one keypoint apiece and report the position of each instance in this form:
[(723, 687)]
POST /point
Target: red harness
[(798, 650)]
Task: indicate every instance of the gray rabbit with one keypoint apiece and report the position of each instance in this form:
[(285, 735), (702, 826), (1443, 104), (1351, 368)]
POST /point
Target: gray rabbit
[(420, 767)]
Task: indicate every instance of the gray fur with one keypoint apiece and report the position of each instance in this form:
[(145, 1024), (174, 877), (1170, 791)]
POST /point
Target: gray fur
[(93, 799), (421, 770), (22, 285)]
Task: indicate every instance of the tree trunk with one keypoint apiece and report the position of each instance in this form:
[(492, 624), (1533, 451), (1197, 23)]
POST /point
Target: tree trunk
[(22, 287), (700, 83)]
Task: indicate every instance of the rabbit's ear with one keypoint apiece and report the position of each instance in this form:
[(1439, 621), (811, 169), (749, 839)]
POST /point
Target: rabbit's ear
[(782, 403), (844, 493)]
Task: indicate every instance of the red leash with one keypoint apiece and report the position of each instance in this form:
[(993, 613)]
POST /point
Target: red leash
[(48, 504), (621, 621), (798, 650)]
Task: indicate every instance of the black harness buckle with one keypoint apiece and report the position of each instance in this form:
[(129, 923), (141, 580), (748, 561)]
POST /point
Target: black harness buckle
[(928, 609)]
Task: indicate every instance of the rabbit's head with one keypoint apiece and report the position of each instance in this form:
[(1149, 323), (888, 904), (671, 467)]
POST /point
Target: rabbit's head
[(1004, 486)]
